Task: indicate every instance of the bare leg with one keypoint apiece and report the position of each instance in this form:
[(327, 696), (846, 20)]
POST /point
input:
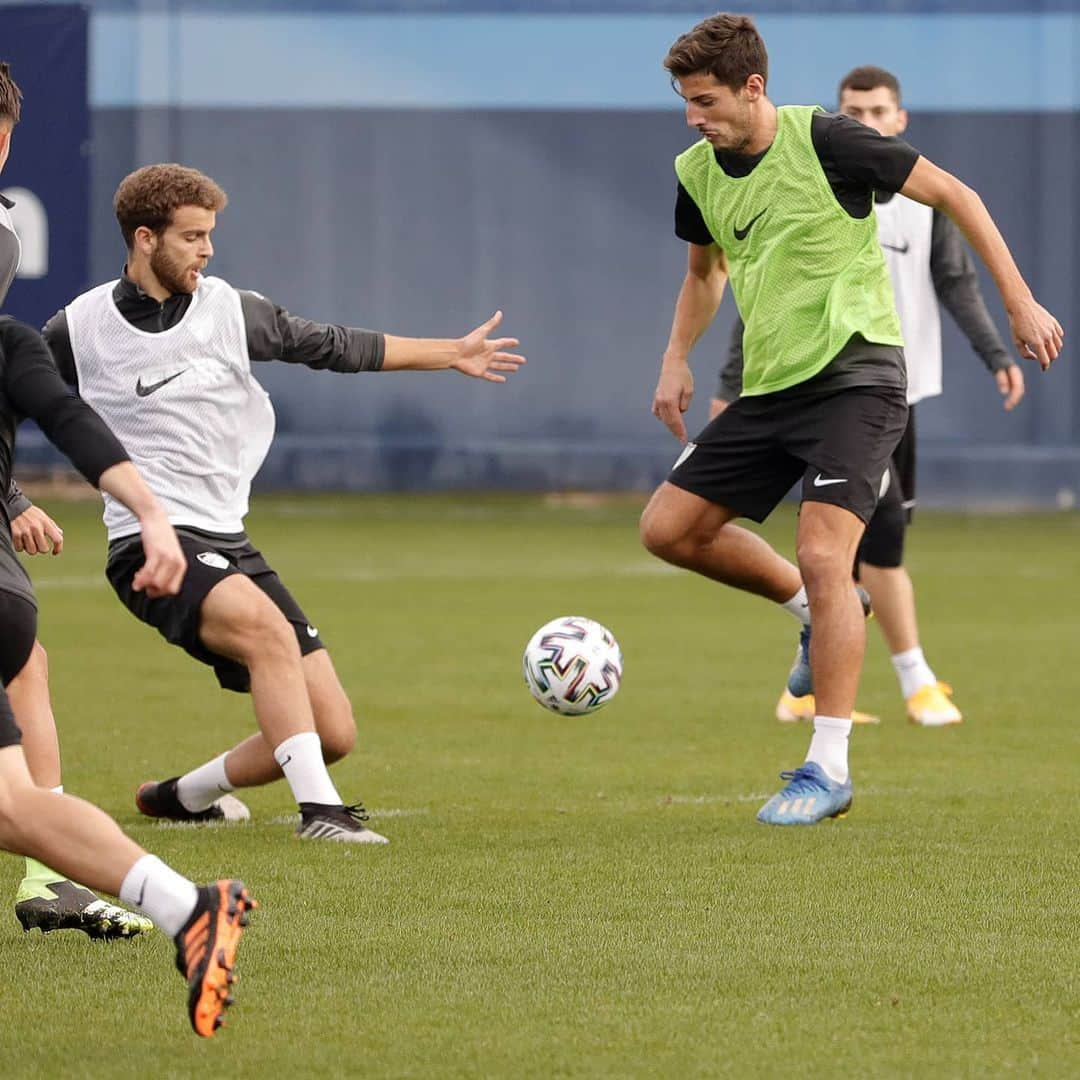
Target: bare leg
[(893, 596), (28, 693), (240, 622), (827, 539), (693, 533)]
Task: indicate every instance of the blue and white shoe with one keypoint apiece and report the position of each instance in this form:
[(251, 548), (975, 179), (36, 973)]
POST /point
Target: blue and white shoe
[(800, 680), (810, 796)]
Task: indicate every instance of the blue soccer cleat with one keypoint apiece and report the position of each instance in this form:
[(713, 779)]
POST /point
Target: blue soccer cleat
[(809, 797), (800, 680)]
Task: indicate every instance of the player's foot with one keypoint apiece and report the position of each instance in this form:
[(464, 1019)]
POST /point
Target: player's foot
[(930, 706), (206, 951), (800, 679), (63, 905), (810, 796), (790, 709), (158, 798), (346, 824)]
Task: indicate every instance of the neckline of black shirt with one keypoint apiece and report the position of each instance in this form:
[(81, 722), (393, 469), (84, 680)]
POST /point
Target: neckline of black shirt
[(143, 311)]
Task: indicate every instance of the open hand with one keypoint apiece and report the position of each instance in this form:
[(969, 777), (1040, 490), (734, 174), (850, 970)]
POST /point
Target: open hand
[(484, 358)]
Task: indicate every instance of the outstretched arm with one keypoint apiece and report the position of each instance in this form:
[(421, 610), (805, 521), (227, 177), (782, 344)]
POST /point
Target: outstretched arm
[(1036, 333), (699, 298), (275, 334), (475, 354)]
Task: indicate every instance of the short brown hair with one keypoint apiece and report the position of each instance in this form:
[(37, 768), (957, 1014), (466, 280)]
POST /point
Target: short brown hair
[(10, 95), (869, 77), (151, 195), (728, 47)]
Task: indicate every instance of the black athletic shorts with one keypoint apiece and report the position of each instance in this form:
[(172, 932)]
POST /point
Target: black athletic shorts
[(177, 618), (838, 443), (883, 542), (18, 630)]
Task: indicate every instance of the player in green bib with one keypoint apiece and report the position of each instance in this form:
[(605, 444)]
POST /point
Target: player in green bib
[(780, 202)]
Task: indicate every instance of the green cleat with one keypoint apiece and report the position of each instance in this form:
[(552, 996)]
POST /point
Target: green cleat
[(63, 905)]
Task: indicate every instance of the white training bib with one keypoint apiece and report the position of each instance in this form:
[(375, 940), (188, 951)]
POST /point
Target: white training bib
[(905, 230), (183, 402)]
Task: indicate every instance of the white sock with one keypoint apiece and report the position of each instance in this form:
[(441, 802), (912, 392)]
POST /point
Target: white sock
[(828, 747), (799, 606), (913, 671), (301, 760), (159, 892), (201, 787)]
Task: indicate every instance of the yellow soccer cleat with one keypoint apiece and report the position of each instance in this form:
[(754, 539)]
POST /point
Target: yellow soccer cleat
[(930, 706), (790, 709)]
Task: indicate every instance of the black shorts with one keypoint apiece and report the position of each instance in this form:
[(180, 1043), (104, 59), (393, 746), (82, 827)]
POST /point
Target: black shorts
[(177, 618), (839, 444), (18, 631), (883, 542)]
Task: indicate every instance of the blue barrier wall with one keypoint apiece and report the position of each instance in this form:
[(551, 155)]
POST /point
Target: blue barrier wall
[(415, 171)]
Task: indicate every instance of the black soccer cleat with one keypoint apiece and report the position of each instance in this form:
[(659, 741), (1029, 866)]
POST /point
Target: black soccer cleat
[(345, 824), (63, 905), (206, 951), (158, 798)]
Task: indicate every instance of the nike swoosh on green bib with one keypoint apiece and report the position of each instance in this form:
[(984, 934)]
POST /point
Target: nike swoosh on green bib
[(744, 232), (813, 276)]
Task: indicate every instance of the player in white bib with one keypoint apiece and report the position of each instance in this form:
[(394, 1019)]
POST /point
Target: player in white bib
[(165, 355), (929, 265)]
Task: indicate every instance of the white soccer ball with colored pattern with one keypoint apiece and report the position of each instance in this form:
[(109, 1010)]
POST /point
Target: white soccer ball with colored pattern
[(573, 665)]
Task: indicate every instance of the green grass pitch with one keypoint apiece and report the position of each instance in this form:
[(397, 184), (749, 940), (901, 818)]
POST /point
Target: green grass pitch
[(587, 897)]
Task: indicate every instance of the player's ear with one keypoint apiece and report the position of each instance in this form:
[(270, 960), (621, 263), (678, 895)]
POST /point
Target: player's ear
[(143, 240), (902, 118), (754, 87)]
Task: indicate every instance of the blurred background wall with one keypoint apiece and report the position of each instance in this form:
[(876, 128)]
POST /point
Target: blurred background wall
[(413, 166)]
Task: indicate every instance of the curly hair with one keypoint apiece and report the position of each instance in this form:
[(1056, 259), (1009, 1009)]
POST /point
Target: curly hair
[(10, 96), (151, 195), (728, 47)]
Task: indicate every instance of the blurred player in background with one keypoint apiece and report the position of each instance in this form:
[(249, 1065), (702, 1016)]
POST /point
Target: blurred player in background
[(165, 355), (206, 922), (44, 900), (782, 201), (929, 264)]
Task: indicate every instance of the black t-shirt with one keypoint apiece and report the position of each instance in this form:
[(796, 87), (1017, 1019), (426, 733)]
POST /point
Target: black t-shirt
[(856, 161)]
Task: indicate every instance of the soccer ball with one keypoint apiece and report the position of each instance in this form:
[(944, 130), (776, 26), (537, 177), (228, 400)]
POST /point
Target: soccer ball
[(572, 665)]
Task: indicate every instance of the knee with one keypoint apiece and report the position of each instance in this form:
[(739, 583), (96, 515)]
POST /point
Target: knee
[(266, 635), (660, 535), (339, 739), (822, 564), (337, 727)]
